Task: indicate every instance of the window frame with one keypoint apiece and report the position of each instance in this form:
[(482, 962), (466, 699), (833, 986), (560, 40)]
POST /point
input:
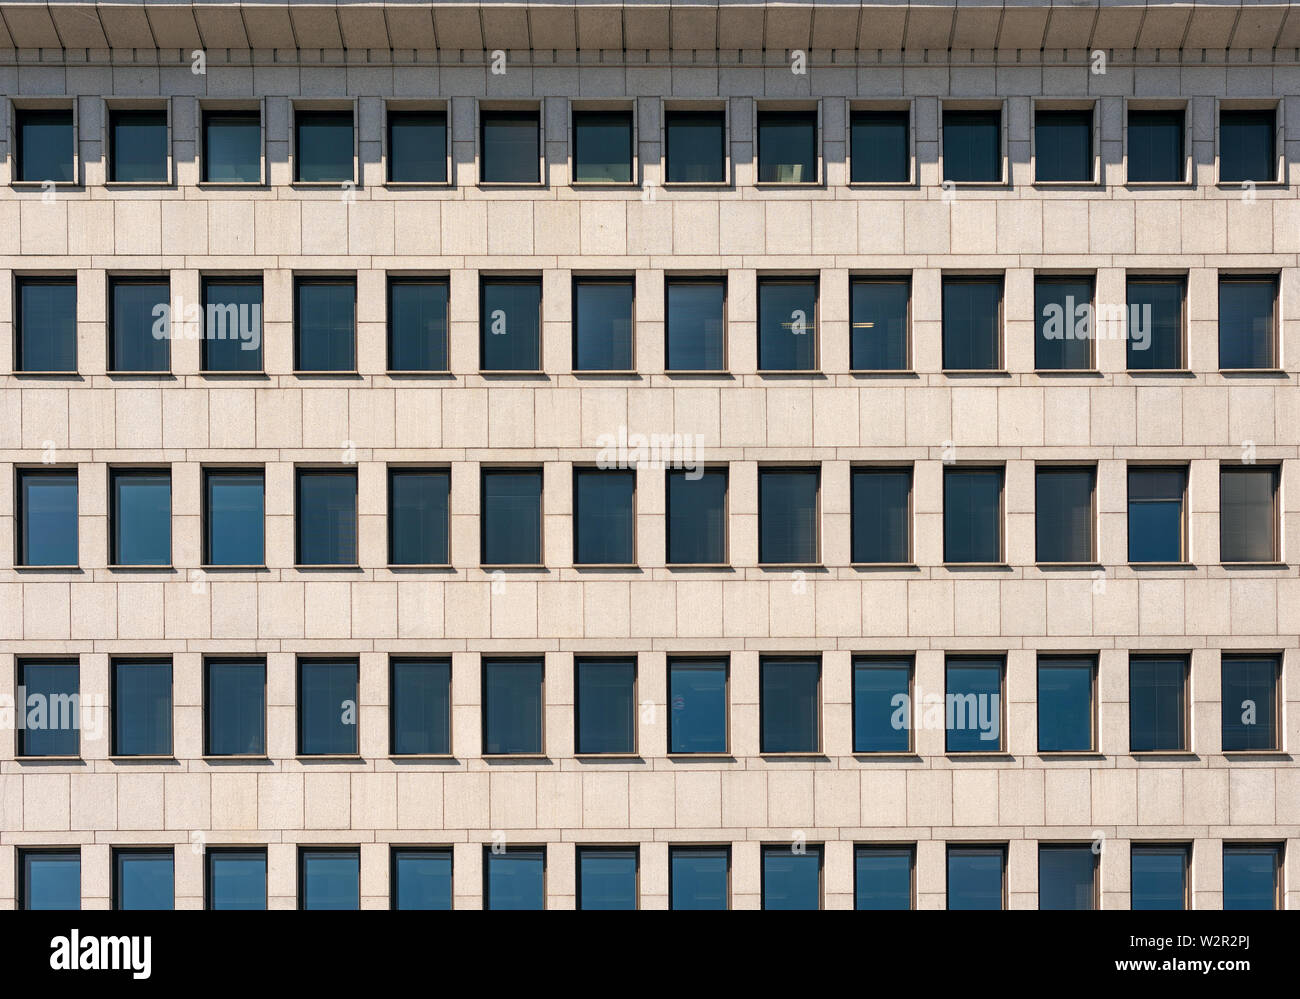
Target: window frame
[(542, 733), (1089, 104), (210, 852), (1188, 743), (485, 470), (394, 279), (579, 470), (301, 874), (325, 279), (815, 469), (1274, 469), (884, 278), (1000, 331), (1277, 105), (1273, 279), (679, 279), (768, 106), (22, 882), (1164, 847), (1279, 694), (968, 658), (670, 106), (724, 660), (110, 108), (21, 280), (1184, 512), (963, 105), (1051, 845), (883, 660), (207, 471), (23, 660), (21, 473), (766, 849), (808, 658), (579, 279), (962, 468), (17, 107), (1055, 277), (708, 468), (115, 280), (1182, 105), (114, 752), (579, 107), (907, 106), (486, 278), (687, 847), (789, 280), (1050, 467), (392, 469), (596, 848), (396, 850), (299, 105), (968, 847), (1277, 848), (305, 470), (484, 108), (884, 467), (394, 659), (581, 659), (208, 106), (209, 280), (488, 854), (866, 847), (115, 871), (395, 105), (1058, 659), (223, 658), (301, 660), (139, 471), (1181, 280)]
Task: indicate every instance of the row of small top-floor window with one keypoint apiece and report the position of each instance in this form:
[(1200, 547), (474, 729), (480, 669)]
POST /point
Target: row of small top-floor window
[(604, 516), (604, 145), (699, 876), (1068, 321)]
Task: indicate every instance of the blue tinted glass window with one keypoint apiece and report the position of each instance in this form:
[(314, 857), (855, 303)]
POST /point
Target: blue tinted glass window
[(327, 517), (602, 325), (327, 708), (137, 144), (325, 324), (509, 153), (973, 706), (51, 879), (975, 877), (787, 516), (879, 325), (1156, 704), (139, 329), (1063, 324), (323, 150), (421, 879), (237, 879), (232, 147), (1250, 877), (236, 707), (972, 515), (235, 504), (882, 706), (418, 505), (880, 149), (606, 706), (47, 514), (787, 147), (46, 317), (1066, 877), (602, 147), (790, 705), (1249, 689), (329, 879), (699, 877), (143, 879), (696, 152), (696, 334), (1158, 877), (417, 147), (697, 517), (142, 517), (1246, 327), (697, 716), (45, 144), (972, 146), (972, 320), (881, 515), (1063, 145), (512, 706), (1155, 324), (1065, 709), (604, 516), (1155, 146), (882, 877), (232, 316), (510, 321), (417, 325), (1063, 513), (1247, 515), (792, 880), (515, 879), (142, 708), (48, 707), (512, 516), (1247, 150), (421, 707), (1155, 514), (607, 877), (787, 325)]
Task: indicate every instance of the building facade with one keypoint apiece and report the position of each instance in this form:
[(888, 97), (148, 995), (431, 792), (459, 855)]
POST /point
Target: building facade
[(650, 406)]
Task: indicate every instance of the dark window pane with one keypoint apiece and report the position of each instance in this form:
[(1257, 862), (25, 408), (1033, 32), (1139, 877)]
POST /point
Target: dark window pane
[(602, 147), (1250, 877), (787, 325), (139, 330), (1156, 704), (509, 153), (607, 877), (235, 502), (787, 147), (975, 876), (1158, 877), (45, 145), (1250, 712), (971, 324), (417, 325), (512, 706), (421, 879), (137, 144), (879, 325), (606, 706), (697, 716), (325, 325), (1065, 704), (972, 515), (47, 517), (602, 325), (327, 708), (696, 153), (604, 517), (144, 879), (1063, 514), (880, 150), (237, 879), (698, 877), (972, 146), (324, 147), (142, 708), (51, 879), (232, 147), (142, 518), (1246, 145), (327, 517), (1246, 335), (1155, 514), (973, 705), (236, 708), (1155, 325), (787, 516), (417, 147), (512, 516), (792, 880), (881, 515), (882, 877), (418, 503), (47, 709), (329, 879), (882, 706), (46, 318), (1247, 521), (421, 707), (1155, 146), (1063, 324), (232, 311), (1063, 145), (697, 517), (696, 335), (790, 706), (511, 324), (1066, 877), (515, 879)]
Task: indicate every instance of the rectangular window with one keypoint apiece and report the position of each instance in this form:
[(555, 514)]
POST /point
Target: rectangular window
[(512, 707), (49, 879), (1247, 322), (139, 327), (881, 516), (234, 504), (603, 310), (1155, 146), (882, 705), (607, 877), (1066, 710), (419, 504), (45, 319), (1157, 704), (604, 516), (324, 327), (236, 878), (1063, 323), (1155, 514), (421, 878), (417, 324), (47, 517), (141, 513), (45, 145), (327, 707), (1063, 145), (137, 146), (973, 704), (880, 148), (417, 146), (787, 146), (697, 698), (232, 310), (510, 318), (1247, 145), (972, 515), (883, 877), (234, 705), (792, 880), (1063, 513), (1067, 877), (787, 516), (509, 147), (324, 149), (144, 879), (1250, 702), (787, 324), (972, 323), (696, 335), (602, 146), (327, 516), (697, 517), (972, 146), (232, 146), (511, 516), (53, 729), (515, 879), (605, 708), (1158, 877), (142, 707), (329, 878), (1248, 513), (420, 707), (699, 877), (696, 146), (977, 877), (1251, 875), (879, 319), (790, 706), (1155, 324)]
